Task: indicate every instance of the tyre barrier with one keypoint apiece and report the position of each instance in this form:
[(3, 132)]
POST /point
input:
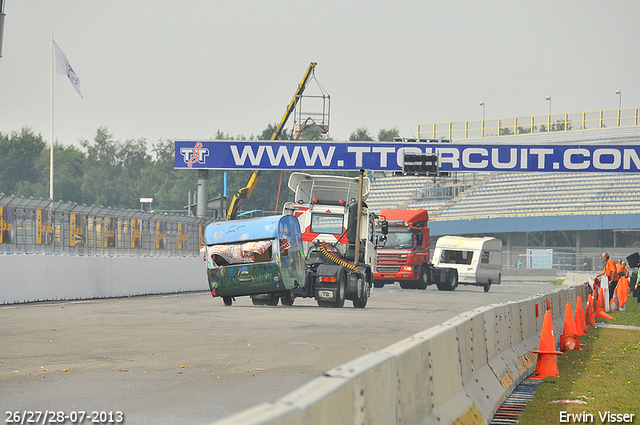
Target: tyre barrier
[(458, 372)]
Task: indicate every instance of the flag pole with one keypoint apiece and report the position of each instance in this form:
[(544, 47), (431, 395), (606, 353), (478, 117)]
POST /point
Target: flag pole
[(52, 121)]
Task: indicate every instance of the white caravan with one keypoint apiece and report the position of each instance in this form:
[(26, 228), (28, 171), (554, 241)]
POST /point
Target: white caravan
[(478, 260)]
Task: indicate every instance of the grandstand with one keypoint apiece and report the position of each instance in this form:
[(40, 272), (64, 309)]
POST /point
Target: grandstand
[(577, 215), (525, 209), (509, 194)]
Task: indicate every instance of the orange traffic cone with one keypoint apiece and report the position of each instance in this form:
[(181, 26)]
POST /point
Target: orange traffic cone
[(581, 324), (590, 315), (600, 307), (569, 340), (547, 364)]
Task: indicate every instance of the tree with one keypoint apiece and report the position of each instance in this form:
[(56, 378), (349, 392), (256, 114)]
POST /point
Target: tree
[(360, 135), (388, 135), (113, 170), (20, 152), (68, 162)]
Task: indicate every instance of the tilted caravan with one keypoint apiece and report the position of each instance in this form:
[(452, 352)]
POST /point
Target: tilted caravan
[(478, 260)]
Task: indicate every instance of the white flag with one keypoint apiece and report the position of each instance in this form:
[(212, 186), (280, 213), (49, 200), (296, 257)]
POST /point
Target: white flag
[(63, 68)]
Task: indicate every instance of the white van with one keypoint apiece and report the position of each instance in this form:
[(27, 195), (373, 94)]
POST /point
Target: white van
[(478, 260)]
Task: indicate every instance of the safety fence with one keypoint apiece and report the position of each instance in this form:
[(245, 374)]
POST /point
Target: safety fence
[(533, 124), (42, 226)]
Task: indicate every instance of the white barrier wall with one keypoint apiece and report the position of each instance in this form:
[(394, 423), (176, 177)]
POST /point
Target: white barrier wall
[(458, 372), (70, 278)]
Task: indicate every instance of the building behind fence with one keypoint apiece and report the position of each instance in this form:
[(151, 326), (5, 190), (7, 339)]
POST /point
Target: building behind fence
[(42, 226)]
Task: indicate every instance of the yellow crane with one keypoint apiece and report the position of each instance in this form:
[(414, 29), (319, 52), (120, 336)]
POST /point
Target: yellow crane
[(246, 191)]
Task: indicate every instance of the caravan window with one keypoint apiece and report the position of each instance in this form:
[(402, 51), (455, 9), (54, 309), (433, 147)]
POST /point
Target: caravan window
[(241, 253), (485, 257), (449, 256)]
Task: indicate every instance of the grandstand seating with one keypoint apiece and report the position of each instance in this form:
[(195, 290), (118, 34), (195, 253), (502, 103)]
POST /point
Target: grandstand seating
[(510, 194)]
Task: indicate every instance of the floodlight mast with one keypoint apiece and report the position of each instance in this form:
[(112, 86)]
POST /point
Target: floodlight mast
[(2, 15)]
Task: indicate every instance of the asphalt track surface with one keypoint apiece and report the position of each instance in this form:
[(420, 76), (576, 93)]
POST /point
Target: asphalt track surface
[(187, 358)]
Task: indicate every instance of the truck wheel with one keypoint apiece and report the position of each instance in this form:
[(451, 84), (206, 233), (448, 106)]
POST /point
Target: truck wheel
[(487, 286), (288, 298), (453, 280), (340, 291), (273, 301), (425, 278), (227, 301), (404, 284), (362, 302)]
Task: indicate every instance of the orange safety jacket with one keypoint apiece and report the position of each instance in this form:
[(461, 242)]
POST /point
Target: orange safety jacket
[(610, 270)]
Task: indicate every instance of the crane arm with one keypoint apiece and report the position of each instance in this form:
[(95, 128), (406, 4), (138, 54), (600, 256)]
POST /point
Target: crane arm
[(292, 105), (246, 191)]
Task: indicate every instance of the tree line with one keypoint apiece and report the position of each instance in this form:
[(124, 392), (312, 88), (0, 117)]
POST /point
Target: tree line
[(116, 174)]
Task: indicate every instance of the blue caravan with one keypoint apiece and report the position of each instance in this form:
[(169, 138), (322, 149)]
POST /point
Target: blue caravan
[(262, 257)]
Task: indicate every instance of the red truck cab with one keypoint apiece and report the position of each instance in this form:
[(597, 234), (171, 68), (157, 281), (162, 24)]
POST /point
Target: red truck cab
[(405, 257)]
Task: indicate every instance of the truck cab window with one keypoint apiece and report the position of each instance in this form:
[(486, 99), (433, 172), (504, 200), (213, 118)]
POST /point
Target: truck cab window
[(399, 240), (327, 223)]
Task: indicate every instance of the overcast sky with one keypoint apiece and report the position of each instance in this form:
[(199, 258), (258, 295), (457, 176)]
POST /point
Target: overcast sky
[(185, 69)]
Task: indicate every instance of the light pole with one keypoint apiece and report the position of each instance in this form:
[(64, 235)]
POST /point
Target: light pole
[(619, 93), (483, 106), (549, 119), (549, 99), (2, 15)]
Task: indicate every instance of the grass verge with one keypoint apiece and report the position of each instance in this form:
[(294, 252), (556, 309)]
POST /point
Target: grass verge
[(603, 377)]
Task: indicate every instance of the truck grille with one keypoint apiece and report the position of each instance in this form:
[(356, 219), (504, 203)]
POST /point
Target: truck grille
[(392, 258), (387, 269)]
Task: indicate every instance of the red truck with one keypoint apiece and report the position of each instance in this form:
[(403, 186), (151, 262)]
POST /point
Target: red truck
[(405, 257)]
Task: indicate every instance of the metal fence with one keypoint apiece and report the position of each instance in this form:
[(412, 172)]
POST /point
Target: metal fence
[(42, 226), (534, 124)]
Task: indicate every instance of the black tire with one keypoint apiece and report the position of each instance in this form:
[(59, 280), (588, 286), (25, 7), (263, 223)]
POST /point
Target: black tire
[(453, 280), (257, 302), (362, 302), (341, 291), (324, 304), (425, 278), (487, 286), (273, 301), (288, 298), (405, 284), (227, 301)]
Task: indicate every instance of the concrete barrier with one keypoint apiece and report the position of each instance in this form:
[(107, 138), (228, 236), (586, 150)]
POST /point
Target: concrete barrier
[(72, 278), (540, 275), (455, 373)]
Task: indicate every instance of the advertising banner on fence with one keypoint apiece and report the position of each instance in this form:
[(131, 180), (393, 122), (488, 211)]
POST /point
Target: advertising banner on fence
[(7, 225), (182, 236), (136, 233), (109, 232), (389, 156), (161, 234), (78, 225), (44, 228)]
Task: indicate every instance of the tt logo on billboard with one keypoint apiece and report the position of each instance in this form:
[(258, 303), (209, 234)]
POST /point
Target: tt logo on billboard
[(197, 154)]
